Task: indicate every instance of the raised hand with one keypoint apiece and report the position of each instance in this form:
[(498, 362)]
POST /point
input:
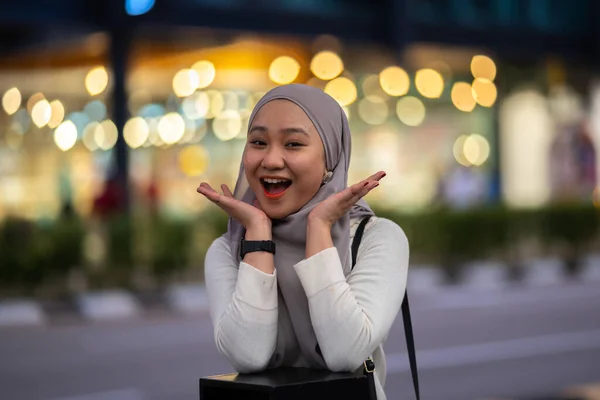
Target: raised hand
[(335, 206), (248, 215)]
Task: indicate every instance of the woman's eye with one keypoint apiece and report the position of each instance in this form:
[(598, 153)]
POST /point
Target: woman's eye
[(294, 144), (257, 142)]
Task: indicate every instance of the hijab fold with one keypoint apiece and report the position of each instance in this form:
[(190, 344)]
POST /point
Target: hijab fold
[(289, 233)]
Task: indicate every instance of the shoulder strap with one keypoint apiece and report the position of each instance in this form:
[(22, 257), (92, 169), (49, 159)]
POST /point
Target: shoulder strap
[(408, 331)]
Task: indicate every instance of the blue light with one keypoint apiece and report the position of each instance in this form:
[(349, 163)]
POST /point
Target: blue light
[(138, 7)]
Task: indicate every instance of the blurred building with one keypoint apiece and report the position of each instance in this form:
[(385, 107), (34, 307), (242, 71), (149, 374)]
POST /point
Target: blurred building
[(462, 102)]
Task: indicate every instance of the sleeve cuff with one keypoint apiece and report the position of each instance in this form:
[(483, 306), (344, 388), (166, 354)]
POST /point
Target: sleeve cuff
[(256, 288), (320, 271)]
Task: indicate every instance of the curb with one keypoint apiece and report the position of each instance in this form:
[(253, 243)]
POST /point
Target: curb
[(21, 313), (187, 298), (108, 305)]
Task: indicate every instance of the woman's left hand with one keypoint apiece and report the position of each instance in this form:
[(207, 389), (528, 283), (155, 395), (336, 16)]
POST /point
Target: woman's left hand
[(335, 206)]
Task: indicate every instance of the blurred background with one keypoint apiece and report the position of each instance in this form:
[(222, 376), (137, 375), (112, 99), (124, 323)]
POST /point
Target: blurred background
[(485, 114)]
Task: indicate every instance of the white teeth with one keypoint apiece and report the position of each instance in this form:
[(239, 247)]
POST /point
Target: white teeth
[(268, 180)]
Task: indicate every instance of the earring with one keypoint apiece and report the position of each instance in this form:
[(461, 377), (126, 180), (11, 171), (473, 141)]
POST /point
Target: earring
[(327, 177)]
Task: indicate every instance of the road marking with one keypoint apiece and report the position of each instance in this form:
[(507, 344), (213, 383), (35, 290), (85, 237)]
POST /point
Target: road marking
[(497, 351), (119, 394)]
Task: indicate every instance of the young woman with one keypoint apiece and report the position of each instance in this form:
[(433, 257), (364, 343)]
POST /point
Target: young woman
[(280, 284)]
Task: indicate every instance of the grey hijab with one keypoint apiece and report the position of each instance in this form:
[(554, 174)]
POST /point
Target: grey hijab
[(289, 233)]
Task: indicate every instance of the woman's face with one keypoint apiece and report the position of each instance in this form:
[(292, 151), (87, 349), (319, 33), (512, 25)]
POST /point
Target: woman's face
[(284, 158)]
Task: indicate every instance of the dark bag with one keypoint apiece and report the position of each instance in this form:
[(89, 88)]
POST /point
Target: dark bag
[(369, 365)]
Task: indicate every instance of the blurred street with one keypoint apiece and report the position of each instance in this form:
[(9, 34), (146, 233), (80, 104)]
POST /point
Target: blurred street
[(516, 343)]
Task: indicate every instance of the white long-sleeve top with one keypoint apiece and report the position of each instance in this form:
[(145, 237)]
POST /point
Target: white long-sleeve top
[(351, 316)]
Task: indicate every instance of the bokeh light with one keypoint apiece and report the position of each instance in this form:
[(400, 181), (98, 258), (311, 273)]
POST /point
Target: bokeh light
[(206, 72), (88, 136), (471, 150), (33, 100), (373, 110), (185, 82), (326, 65), (58, 113), (96, 80), (171, 128), (429, 83), (476, 149), (227, 125), (65, 135), (284, 70), (41, 113), (136, 132), (462, 97), (483, 67), (217, 103), (106, 135), (484, 92), (194, 160), (11, 100), (394, 81), (410, 110), (196, 106), (342, 90), (95, 110)]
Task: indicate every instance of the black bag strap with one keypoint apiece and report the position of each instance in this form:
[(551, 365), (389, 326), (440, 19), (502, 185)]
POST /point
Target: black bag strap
[(369, 366)]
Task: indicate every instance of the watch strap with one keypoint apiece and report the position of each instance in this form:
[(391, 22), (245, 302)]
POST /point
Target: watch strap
[(249, 246)]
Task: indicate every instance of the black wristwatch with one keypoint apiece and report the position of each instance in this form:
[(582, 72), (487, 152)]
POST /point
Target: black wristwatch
[(248, 246)]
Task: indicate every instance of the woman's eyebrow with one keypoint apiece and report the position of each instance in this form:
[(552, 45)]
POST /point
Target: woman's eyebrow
[(290, 130), (293, 130)]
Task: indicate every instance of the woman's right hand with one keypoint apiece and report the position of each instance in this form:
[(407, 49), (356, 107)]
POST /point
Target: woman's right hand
[(250, 216)]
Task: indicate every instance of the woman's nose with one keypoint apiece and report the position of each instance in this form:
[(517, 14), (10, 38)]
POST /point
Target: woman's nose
[(273, 159)]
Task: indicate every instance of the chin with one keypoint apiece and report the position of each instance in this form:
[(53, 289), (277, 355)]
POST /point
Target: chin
[(275, 213)]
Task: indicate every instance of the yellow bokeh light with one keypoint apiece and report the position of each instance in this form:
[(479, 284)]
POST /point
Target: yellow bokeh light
[(194, 160), (217, 103), (373, 110), (429, 83), (11, 100), (484, 92), (96, 80), (136, 132), (227, 125), (471, 150), (106, 135), (196, 106), (41, 113), (483, 67), (342, 90), (33, 100), (185, 82), (476, 149), (171, 128), (65, 135), (58, 113), (89, 136), (462, 97), (284, 70), (394, 81), (326, 65), (458, 151), (372, 87), (206, 73), (410, 110)]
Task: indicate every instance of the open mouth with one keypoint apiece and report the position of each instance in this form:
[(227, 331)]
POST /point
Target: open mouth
[(275, 188)]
